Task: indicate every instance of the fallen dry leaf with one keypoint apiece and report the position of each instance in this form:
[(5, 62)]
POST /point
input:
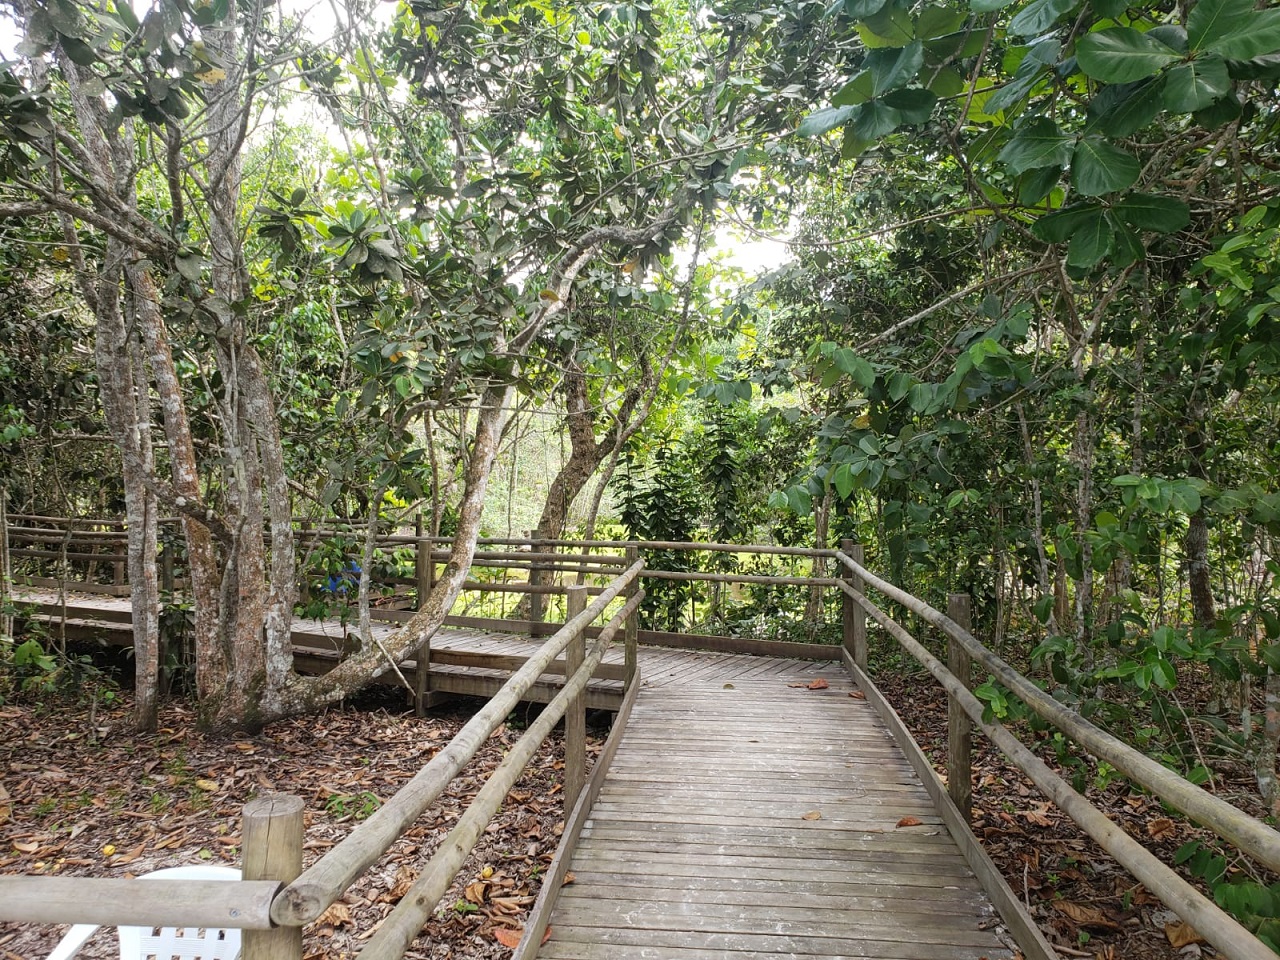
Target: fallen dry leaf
[(1161, 828), (568, 879), (1181, 934), (1038, 816), (476, 891), (858, 695), (909, 822), (338, 915), (1085, 916), (819, 684), (508, 937), (812, 815)]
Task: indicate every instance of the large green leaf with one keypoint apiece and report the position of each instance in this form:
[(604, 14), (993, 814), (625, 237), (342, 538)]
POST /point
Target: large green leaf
[(824, 121), (1233, 29), (1193, 86), (1122, 109), (1126, 246), (1212, 20), (1122, 55), (1099, 167), (1038, 143), (1090, 242), (859, 89), (861, 9), (1038, 59), (1039, 15), (893, 68), (914, 105), (1059, 227), (1161, 214), (891, 27), (1037, 184), (874, 119), (988, 6)]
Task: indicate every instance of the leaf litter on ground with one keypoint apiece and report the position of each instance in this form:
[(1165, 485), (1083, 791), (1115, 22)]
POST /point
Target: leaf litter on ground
[(72, 804)]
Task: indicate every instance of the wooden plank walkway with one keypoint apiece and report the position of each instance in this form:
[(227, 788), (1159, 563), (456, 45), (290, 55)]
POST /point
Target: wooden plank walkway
[(464, 660), (748, 818)]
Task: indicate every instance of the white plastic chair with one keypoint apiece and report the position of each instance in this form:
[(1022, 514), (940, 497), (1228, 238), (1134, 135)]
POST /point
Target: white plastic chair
[(137, 943)]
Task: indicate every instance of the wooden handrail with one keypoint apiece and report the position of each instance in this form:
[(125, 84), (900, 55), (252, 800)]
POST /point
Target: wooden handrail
[(327, 879), (201, 903), (398, 930), (1246, 833), (1220, 929)]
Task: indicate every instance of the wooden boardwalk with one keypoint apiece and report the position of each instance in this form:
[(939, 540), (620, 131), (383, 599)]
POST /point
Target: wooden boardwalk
[(466, 661), (749, 818)]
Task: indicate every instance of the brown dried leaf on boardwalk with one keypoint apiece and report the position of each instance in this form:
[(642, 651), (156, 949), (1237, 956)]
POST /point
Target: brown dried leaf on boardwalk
[(812, 815), (819, 684), (909, 822), (858, 695)]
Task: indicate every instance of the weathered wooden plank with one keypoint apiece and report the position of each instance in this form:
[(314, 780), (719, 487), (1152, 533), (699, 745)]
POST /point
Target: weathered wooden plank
[(701, 918), (939, 902), (693, 886), (738, 944), (789, 862)]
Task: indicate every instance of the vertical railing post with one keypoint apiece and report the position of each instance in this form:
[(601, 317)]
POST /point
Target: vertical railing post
[(424, 569), (535, 579), (271, 833), (6, 618), (575, 716), (631, 630), (959, 726), (853, 619)]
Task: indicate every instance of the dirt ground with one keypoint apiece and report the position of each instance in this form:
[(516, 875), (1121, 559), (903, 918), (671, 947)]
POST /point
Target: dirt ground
[(81, 795)]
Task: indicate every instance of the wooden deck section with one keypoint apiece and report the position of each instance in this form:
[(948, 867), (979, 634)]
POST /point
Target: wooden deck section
[(748, 818), (464, 661)]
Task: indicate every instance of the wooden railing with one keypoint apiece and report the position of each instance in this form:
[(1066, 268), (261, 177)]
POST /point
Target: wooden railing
[(1247, 834), (86, 554), (276, 898)]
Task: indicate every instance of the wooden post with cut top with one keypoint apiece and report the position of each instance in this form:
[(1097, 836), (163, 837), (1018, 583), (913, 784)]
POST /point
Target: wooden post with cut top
[(272, 837), (959, 726), (575, 715), (853, 619)]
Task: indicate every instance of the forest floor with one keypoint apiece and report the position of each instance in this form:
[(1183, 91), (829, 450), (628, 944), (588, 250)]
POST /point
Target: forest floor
[(81, 795)]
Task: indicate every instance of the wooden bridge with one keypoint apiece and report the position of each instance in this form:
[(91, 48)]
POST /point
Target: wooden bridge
[(749, 802)]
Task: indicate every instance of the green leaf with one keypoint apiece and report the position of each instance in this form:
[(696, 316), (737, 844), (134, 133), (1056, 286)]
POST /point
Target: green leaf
[(844, 481), (1126, 246), (852, 364), (1124, 109), (1038, 143), (1220, 112), (1193, 86), (914, 105), (1038, 59), (1090, 242), (1099, 167), (824, 120), (861, 9), (1147, 212), (859, 89), (1035, 185), (894, 68), (125, 12), (1212, 20), (1059, 227), (891, 27), (1039, 15), (988, 6), (1109, 9), (1233, 29), (1122, 55), (874, 119)]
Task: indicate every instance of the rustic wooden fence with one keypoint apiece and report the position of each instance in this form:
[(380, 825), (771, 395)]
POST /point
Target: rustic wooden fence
[(275, 897), (1242, 831)]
